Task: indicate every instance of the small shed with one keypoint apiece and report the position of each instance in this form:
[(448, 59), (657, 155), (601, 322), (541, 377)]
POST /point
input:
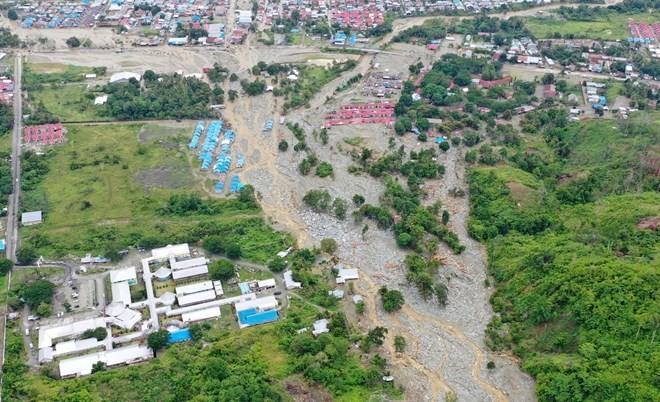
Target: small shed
[(31, 218)]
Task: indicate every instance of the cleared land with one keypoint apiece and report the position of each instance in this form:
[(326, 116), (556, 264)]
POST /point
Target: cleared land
[(603, 28)]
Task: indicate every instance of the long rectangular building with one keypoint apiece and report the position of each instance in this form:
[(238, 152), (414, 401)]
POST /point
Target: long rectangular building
[(190, 272), (193, 288), (195, 298), (185, 264), (205, 314)]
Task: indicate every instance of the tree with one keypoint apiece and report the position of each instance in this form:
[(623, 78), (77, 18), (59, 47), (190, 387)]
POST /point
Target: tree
[(233, 95), (26, 255), (44, 310), (246, 195), (548, 78), (399, 128), (73, 42), (158, 340), (463, 78), (441, 293), (328, 246), (233, 77), (445, 216), (340, 206), (444, 145), (150, 76), (277, 264), (222, 270), (100, 333), (196, 332), (233, 251), (283, 146), (360, 307), (358, 200), (392, 299), (490, 365), (87, 43), (12, 15), (38, 292), (215, 244), (377, 335), (5, 265), (399, 344), (98, 366)]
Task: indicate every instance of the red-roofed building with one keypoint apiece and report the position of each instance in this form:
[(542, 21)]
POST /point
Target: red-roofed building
[(489, 84)]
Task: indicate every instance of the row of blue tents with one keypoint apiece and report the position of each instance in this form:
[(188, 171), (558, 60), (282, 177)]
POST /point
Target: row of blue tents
[(199, 129), (210, 143)]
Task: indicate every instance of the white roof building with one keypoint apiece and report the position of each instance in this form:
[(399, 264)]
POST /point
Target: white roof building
[(344, 275), (190, 272), (357, 299), (82, 365), (185, 264), (49, 333), (171, 251), (199, 315), (127, 319), (261, 304), (195, 298), (320, 327), (122, 77), (121, 292), (31, 218), (266, 283), (124, 275), (289, 283), (193, 288), (163, 273)]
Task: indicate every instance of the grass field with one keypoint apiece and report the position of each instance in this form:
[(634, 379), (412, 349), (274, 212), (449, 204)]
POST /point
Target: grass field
[(5, 142), (615, 27), (105, 188), (68, 102), (50, 68)]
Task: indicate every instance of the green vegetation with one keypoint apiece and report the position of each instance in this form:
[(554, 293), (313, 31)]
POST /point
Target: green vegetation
[(103, 191), (7, 39), (165, 97), (69, 102), (222, 270), (99, 333), (573, 256), (262, 363), (392, 299)]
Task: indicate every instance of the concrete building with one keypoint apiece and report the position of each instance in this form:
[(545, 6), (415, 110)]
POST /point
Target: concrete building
[(320, 327), (121, 293), (185, 264), (49, 334), (31, 218), (344, 275), (190, 273), (193, 288), (178, 250)]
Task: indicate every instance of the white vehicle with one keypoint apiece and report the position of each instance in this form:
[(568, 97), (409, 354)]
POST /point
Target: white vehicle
[(27, 332), (31, 345)]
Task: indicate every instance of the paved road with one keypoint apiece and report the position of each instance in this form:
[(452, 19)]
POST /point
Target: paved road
[(13, 208)]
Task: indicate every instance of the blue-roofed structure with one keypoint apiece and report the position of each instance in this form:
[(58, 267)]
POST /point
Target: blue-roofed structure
[(180, 336), (241, 160), (268, 125), (339, 38), (2, 245), (199, 129), (235, 185), (252, 317), (219, 187), (244, 287), (439, 140), (353, 40)]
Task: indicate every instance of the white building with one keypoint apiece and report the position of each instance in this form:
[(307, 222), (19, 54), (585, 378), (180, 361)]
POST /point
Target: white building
[(289, 283), (344, 275), (31, 218), (199, 315), (193, 288), (190, 273), (124, 275), (177, 250), (320, 327), (82, 365), (195, 298), (261, 304)]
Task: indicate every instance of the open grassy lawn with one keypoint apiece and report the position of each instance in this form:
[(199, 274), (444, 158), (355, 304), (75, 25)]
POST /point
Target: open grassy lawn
[(615, 27), (612, 92), (68, 102), (5, 142)]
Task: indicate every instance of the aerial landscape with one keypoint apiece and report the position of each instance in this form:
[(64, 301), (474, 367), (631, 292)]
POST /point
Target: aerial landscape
[(337, 200)]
